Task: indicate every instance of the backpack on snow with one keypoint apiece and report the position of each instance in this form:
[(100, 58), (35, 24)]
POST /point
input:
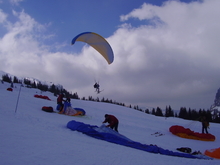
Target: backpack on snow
[(185, 149)]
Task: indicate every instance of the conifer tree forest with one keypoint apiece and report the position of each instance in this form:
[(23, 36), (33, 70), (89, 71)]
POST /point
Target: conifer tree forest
[(184, 113)]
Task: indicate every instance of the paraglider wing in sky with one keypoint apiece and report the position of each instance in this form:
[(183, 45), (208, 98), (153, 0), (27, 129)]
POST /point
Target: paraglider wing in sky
[(98, 43)]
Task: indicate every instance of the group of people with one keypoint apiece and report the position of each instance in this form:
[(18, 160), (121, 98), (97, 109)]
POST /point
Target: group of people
[(113, 123), (60, 100), (111, 119)]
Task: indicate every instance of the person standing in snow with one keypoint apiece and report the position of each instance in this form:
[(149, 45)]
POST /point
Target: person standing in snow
[(205, 124), (60, 102), (113, 122), (68, 99)]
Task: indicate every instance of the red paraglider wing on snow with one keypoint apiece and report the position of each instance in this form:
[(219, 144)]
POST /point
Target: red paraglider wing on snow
[(187, 133)]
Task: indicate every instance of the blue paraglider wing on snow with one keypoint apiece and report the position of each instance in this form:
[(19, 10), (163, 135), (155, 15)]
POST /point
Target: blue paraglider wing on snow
[(106, 134), (98, 43)]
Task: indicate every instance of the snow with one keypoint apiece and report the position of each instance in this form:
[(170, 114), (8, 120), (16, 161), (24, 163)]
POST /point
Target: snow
[(32, 136)]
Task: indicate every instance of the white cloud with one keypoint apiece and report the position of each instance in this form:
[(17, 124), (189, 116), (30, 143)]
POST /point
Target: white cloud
[(180, 51), (15, 2), (23, 55), (3, 16)]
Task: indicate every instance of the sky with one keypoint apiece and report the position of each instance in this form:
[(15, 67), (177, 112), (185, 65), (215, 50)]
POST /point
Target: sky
[(32, 136), (165, 52)]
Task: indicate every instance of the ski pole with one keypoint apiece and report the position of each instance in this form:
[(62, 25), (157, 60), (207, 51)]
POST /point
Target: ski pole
[(18, 99)]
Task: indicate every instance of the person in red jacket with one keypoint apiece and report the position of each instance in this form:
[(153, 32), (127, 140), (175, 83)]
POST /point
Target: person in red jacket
[(112, 120), (60, 102)]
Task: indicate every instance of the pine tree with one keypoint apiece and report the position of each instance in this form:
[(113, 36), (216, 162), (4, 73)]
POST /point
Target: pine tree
[(6, 78), (169, 112), (15, 80), (147, 111), (158, 112), (33, 85), (52, 88), (183, 113), (153, 111)]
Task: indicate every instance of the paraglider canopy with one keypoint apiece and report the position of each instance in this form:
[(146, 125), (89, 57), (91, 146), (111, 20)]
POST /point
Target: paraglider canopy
[(189, 134), (98, 43)]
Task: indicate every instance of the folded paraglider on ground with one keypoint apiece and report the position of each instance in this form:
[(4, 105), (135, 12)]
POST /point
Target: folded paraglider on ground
[(68, 110), (187, 133)]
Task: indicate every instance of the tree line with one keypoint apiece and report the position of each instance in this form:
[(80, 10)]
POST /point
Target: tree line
[(184, 113), (55, 89)]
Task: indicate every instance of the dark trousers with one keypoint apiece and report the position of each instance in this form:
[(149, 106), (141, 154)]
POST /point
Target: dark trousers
[(115, 127), (204, 128), (61, 106)]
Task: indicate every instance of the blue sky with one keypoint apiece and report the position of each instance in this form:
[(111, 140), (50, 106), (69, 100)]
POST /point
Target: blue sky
[(78, 16), (166, 52), (67, 18)]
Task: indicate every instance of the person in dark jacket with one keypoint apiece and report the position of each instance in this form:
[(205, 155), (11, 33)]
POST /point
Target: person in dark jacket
[(96, 86), (60, 101), (205, 124), (68, 99), (112, 120)]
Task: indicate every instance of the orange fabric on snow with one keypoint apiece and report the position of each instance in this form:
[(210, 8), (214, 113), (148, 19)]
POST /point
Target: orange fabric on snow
[(214, 153)]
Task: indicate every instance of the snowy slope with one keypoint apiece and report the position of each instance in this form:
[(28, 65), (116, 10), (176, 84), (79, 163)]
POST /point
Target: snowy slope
[(32, 136)]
